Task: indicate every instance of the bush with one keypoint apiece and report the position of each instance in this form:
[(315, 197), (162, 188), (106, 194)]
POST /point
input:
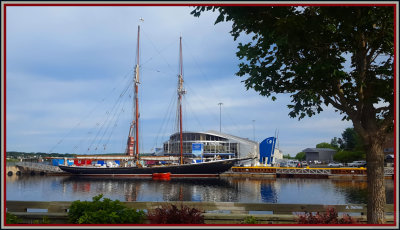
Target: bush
[(45, 220), (103, 212), (330, 217), (250, 220), (12, 219), (348, 156), (170, 214)]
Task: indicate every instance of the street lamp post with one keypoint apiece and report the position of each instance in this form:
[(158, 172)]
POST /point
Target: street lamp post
[(220, 104), (254, 133)]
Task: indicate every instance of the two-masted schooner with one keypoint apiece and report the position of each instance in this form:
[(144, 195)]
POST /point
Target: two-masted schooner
[(132, 150)]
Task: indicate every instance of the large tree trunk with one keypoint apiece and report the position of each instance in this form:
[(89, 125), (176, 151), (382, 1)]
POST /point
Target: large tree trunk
[(376, 182)]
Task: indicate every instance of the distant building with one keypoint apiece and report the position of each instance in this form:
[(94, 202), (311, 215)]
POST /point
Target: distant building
[(214, 144), (319, 154)]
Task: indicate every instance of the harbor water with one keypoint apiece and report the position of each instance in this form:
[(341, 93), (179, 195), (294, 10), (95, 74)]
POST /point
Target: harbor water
[(224, 189)]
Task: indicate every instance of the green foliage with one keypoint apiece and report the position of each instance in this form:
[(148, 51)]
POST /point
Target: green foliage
[(302, 51), (300, 156), (171, 214), (250, 220), (287, 156), (14, 154), (325, 145), (348, 156), (45, 220), (341, 56), (335, 143), (103, 212), (350, 139), (12, 219)]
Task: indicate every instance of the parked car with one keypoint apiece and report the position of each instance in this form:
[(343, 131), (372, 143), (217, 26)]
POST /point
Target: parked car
[(304, 163), (357, 164), (335, 164), (292, 163), (282, 164)]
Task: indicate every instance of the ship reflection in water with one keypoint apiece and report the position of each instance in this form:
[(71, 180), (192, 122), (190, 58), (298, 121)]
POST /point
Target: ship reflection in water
[(245, 190)]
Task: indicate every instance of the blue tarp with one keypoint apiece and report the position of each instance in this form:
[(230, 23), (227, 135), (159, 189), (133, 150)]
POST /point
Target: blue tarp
[(117, 161), (100, 162), (57, 162)]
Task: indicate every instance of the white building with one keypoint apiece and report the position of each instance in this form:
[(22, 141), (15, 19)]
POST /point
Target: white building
[(215, 144)]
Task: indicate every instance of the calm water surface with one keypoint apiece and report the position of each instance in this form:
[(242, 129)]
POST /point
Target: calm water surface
[(245, 190)]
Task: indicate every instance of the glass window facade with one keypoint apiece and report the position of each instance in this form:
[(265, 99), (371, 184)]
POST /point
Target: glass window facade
[(212, 143)]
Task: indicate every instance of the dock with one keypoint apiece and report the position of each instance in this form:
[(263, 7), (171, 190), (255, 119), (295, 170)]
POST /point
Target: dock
[(306, 172)]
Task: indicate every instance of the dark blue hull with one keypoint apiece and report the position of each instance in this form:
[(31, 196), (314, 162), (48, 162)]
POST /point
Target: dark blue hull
[(214, 167)]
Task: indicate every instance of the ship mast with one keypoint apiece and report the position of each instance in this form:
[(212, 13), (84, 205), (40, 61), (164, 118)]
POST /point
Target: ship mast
[(133, 138), (137, 82), (181, 92)]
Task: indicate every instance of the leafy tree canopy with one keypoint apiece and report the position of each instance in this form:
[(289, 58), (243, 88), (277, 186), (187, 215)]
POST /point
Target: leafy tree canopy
[(300, 156), (325, 145), (339, 56)]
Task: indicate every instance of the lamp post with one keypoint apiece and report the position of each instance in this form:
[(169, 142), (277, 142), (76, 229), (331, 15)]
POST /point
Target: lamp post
[(220, 104), (254, 133)]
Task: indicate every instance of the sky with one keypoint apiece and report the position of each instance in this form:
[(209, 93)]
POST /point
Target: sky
[(69, 72)]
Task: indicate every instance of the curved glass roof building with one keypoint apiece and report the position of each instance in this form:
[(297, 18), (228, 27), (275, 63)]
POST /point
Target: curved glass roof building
[(214, 144)]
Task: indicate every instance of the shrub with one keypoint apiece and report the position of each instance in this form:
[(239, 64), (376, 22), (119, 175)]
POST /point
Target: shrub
[(329, 217), (170, 214), (45, 220), (103, 212), (12, 219), (250, 220)]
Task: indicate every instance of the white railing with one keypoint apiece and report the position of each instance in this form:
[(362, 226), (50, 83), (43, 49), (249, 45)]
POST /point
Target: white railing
[(316, 171)]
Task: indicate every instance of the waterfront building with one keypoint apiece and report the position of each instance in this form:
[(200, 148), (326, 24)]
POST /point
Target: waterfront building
[(214, 144), (319, 154)]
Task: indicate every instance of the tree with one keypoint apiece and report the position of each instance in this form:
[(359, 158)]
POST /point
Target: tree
[(335, 143), (325, 145), (349, 137), (348, 156), (302, 51), (287, 156), (300, 156)]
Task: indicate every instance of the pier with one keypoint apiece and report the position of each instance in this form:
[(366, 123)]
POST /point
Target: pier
[(307, 172), (32, 169)]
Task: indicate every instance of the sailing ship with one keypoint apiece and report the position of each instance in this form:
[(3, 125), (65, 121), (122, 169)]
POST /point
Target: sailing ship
[(199, 168)]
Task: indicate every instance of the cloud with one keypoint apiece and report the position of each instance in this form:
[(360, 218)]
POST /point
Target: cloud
[(67, 66)]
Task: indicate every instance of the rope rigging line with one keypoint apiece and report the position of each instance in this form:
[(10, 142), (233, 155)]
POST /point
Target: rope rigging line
[(200, 70), (111, 120), (166, 122), (115, 125), (89, 134), (191, 113), (209, 84), (86, 116), (158, 51), (108, 115)]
